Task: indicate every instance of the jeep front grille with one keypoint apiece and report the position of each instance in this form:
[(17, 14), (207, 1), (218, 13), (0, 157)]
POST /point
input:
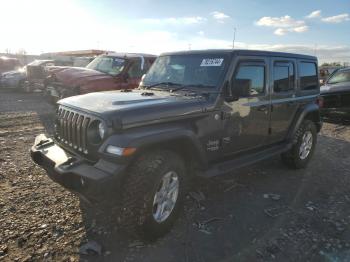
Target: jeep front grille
[(71, 129)]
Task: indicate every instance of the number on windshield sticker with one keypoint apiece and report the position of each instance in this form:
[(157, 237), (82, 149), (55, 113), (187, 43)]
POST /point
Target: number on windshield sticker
[(212, 62)]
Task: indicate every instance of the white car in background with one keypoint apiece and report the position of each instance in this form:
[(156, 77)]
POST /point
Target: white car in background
[(13, 79)]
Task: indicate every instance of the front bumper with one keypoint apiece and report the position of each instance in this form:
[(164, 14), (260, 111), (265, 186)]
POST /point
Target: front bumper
[(93, 182)]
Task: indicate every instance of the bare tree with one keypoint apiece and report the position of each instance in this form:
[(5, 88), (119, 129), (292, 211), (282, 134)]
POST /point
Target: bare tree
[(22, 52)]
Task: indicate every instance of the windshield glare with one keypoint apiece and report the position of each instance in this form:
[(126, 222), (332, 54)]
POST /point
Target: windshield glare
[(339, 77), (187, 70), (107, 64), (39, 62)]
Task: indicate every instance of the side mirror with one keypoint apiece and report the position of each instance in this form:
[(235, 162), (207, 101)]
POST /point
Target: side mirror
[(238, 88), (229, 94)]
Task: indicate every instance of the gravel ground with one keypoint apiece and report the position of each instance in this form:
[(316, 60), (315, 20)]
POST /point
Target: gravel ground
[(262, 213)]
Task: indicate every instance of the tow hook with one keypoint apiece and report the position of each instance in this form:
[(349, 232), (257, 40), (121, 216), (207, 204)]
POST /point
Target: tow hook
[(44, 143)]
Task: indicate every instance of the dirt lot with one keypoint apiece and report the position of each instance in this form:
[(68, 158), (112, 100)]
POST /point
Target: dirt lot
[(262, 213)]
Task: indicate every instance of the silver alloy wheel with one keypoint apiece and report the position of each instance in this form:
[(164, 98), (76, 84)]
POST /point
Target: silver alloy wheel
[(306, 145), (165, 198)]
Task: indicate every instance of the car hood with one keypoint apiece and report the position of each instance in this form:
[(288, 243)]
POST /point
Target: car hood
[(136, 107), (77, 76), (334, 88)]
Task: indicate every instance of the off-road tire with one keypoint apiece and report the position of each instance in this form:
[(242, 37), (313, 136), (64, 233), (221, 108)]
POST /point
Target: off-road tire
[(139, 188), (292, 158)]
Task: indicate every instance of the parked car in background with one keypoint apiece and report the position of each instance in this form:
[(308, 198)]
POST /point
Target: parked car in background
[(9, 64), (38, 70), (336, 91), (326, 71), (14, 79), (110, 71), (36, 74)]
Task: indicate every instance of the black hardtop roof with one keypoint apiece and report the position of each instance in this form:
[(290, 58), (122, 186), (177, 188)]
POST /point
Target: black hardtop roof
[(246, 52)]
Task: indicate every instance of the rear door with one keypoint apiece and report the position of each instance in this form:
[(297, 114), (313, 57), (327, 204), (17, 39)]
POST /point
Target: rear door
[(283, 91)]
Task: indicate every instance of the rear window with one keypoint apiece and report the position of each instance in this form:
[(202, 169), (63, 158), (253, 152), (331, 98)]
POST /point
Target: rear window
[(308, 76)]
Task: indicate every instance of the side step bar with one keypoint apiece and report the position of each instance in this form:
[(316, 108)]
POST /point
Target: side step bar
[(230, 165)]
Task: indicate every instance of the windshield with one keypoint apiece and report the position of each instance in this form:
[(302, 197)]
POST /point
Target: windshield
[(107, 64), (82, 61), (340, 77), (39, 62), (187, 70)]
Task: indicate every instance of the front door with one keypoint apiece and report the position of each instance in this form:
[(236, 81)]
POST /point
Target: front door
[(283, 105), (246, 121)]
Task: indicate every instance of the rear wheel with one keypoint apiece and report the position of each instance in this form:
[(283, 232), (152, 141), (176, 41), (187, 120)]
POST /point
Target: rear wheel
[(304, 143), (153, 194)]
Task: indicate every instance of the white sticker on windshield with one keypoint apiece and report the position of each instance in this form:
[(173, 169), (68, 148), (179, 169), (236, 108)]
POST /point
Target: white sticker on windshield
[(212, 62), (120, 60)]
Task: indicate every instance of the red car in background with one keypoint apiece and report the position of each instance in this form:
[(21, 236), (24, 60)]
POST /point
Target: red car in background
[(111, 71)]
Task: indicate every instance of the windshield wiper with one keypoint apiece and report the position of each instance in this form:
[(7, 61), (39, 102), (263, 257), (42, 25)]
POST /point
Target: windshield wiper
[(162, 84), (191, 85)]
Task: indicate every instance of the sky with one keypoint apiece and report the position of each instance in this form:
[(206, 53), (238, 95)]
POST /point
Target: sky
[(316, 27)]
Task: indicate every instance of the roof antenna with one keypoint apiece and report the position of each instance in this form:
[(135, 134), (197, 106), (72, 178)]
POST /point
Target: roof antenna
[(234, 37), (315, 50)]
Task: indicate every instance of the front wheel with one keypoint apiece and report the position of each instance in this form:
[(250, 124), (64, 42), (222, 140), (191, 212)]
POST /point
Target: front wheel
[(153, 193), (304, 143)]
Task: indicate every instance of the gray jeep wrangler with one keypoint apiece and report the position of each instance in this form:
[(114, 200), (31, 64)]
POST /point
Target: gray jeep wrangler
[(202, 113)]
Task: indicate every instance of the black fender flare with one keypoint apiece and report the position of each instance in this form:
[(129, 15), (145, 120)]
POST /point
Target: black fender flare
[(157, 137), (301, 114)]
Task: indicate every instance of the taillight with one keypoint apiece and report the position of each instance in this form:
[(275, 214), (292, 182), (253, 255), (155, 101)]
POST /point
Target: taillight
[(320, 101)]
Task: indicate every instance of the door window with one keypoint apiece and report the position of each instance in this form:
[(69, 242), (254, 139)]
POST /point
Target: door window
[(283, 76), (135, 69), (254, 76), (147, 65)]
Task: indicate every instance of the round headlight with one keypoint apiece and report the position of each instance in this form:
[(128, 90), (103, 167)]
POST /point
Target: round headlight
[(101, 130)]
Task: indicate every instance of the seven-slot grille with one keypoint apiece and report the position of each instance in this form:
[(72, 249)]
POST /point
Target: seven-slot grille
[(72, 129)]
